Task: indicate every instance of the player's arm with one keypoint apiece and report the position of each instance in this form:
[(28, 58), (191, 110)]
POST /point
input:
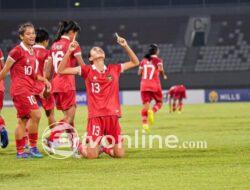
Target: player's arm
[(6, 68), (46, 82), (2, 61), (62, 69), (134, 61), (47, 69), (163, 74), (79, 59)]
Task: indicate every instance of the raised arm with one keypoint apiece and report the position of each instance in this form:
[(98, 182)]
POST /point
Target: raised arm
[(134, 61), (62, 69), (6, 68)]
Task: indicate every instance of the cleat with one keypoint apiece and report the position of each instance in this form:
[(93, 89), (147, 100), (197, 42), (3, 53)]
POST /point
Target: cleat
[(4, 138), (34, 153), (146, 128), (22, 155), (151, 116)]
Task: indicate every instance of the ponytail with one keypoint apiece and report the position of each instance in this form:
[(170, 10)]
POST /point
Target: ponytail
[(153, 49), (64, 27), (60, 31)]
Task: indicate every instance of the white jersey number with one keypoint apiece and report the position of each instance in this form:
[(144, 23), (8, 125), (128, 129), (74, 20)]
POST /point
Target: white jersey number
[(32, 100), (96, 87), (96, 130), (146, 74), (57, 57), (28, 70)]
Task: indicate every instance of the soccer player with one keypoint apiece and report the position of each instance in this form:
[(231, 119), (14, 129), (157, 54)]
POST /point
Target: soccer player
[(175, 96), (64, 88), (21, 63), (179, 95), (102, 86), (150, 68), (3, 132), (42, 42), (170, 97)]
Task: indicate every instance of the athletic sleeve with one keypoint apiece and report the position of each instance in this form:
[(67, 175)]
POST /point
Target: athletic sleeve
[(77, 51), (15, 54), (141, 65), (160, 62), (1, 56), (83, 71)]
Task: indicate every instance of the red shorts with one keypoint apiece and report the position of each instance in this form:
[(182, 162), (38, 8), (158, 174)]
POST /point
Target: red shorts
[(104, 126), (24, 104), (47, 104), (180, 95), (1, 99), (148, 96), (64, 100)]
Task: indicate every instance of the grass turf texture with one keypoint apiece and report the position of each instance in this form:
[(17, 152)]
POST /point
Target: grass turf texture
[(224, 165)]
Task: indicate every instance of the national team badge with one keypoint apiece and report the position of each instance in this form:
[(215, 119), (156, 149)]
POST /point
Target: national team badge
[(109, 77)]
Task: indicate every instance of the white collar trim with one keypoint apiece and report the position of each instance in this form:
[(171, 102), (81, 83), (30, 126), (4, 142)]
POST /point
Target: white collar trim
[(38, 46), (94, 68), (25, 48), (65, 37)]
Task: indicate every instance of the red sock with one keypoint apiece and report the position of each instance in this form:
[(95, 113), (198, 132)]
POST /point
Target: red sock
[(157, 106), (180, 106), (20, 145), (2, 123), (33, 139), (144, 116)]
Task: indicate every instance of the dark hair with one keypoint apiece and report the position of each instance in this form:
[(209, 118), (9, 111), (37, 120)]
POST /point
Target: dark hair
[(153, 48), (23, 27), (41, 35), (64, 27)]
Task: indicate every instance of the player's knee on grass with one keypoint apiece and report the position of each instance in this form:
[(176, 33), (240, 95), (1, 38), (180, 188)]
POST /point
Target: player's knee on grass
[(119, 151), (92, 153)]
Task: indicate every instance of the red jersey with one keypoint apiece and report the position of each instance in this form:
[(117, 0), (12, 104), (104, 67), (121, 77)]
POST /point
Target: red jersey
[(42, 58), (1, 67), (22, 72), (63, 83), (150, 80), (171, 91), (102, 90)]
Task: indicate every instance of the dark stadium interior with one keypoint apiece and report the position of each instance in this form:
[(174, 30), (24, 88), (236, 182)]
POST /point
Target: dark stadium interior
[(223, 62)]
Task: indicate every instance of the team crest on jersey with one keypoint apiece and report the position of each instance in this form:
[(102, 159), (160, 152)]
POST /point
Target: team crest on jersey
[(27, 62), (94, 78), (109, 77), (58, 47)]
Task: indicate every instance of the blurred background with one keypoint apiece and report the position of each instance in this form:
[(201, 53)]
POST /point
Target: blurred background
[(205, 44)]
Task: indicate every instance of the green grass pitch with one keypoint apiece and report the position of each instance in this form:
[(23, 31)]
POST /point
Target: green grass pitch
[(225, 164)]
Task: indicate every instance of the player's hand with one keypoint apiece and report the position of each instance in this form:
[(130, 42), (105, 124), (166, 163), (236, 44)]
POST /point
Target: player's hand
[(165, 77), (122, 42), (48, 86), (72, 46)]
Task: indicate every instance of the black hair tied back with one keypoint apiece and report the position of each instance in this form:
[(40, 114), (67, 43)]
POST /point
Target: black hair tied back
[(153, 48), (64, 27)]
